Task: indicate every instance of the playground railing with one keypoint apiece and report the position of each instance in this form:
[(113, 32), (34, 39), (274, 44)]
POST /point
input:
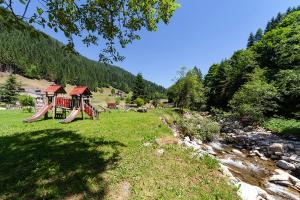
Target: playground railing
[(63, 102)]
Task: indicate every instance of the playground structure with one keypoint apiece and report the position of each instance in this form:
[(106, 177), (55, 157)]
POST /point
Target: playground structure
[(60, 104)]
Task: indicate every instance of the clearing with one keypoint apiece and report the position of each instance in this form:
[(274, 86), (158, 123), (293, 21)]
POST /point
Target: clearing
[(101, 159)]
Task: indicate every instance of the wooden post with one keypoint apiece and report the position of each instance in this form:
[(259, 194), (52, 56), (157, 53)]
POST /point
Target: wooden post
[(82, 107), (54, 106)]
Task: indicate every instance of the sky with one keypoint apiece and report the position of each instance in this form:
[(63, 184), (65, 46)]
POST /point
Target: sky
[(201, 33)]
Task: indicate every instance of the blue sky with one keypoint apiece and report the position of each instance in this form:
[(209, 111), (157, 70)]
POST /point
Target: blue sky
[(202, 32)]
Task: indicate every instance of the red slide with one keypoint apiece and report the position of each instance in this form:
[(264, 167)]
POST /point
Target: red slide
[(39, 114), (71, 117)]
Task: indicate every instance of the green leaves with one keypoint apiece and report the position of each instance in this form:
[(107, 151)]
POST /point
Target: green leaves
[(39, 11)]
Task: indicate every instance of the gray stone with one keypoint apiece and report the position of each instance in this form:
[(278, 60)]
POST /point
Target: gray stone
[(285, 165), (276, 147), (281, 191), (160, 152)]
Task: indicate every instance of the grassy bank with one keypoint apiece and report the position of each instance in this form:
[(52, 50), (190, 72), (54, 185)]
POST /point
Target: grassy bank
[(284, 126), (100, 159)]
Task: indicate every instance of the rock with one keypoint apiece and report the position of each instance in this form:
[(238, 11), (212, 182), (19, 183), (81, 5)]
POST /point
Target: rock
[(160, 152), (235, 163), (285, 165), (281, 191), (258, 153), (142, 110), (276, 148), (187, 139), (286, 179), (198, 141), (147, 144), (237, 152), (251, 192), (217, 146), (209, 150)]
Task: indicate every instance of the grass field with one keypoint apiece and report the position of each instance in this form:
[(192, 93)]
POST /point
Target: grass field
[(101, 159), (284, 126)]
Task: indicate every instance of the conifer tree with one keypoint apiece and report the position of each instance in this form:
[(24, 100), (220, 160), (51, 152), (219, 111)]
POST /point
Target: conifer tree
[(251, 40), (139, 87), (258, 35), (9, 91)]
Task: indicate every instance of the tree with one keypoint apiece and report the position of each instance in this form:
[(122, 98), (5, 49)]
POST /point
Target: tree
[(111, 21), (198, 71), (288, 84), (256, 98), (10, 90), (139, 87), (258, 35), (113, 91), (188, 91), (251, 40)]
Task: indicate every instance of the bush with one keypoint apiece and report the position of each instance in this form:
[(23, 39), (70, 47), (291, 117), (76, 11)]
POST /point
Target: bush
[(196, 126), (255, 99), (128, 98), (27, 102), (155, 102), (139, 102), (118, 100)]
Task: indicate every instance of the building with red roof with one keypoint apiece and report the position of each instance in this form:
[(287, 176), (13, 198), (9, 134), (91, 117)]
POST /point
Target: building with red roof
[(80, 90), (55, 89)]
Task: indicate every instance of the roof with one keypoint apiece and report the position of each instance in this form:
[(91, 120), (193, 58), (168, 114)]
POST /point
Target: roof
[(80, 90), (55, 89)]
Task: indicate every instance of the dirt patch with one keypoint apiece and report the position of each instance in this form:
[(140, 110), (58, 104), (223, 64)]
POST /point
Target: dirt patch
[(75, 197), (166, 140), (121, 192)]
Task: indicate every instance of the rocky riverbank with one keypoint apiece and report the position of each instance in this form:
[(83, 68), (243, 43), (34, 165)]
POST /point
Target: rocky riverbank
[(261, 164)]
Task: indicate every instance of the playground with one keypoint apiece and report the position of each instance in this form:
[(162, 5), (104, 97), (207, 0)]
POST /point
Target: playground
[(57, 102)]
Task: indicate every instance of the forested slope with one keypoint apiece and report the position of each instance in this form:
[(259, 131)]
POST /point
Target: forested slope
[(36, 55), (265, 75)]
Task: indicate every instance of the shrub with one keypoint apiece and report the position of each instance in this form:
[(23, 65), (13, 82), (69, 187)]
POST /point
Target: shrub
[(155, 102), (139, 102), (255, 99), (198, 127), (118, 100), (128, 98), (27, 102)]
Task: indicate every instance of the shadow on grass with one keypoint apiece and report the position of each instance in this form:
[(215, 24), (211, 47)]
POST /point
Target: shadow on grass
[(54, 164), (294, 131)]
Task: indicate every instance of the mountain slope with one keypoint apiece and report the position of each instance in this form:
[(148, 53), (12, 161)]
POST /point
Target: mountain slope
[(36, 55)]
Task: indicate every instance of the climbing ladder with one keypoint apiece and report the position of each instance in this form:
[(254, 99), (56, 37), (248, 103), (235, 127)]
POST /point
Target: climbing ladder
[(91, 111)]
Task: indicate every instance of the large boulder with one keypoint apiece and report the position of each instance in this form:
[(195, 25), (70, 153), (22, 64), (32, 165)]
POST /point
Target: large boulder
[(276, 149), (251, 192), (285, 165)]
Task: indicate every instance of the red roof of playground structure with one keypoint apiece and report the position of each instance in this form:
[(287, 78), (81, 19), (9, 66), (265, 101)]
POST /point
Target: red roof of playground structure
[(55, 89), (80, 90)]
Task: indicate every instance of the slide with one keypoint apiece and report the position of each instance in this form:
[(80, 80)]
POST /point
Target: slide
[(39, 114), (71, 117)]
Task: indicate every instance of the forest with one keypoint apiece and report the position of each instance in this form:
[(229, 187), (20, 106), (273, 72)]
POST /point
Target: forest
[(34, 54), (262, 80)]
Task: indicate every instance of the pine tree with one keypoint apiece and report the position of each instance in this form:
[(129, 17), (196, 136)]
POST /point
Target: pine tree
[(139, 87), (258, 35), (199, 73), (251, 40), (271, 25), (10, 90)]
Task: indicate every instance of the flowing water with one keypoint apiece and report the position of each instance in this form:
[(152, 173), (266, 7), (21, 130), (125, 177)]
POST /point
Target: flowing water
[(248, 168)]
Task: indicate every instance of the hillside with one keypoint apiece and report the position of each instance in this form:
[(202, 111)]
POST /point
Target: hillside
[(36, 55), (269, 67)]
